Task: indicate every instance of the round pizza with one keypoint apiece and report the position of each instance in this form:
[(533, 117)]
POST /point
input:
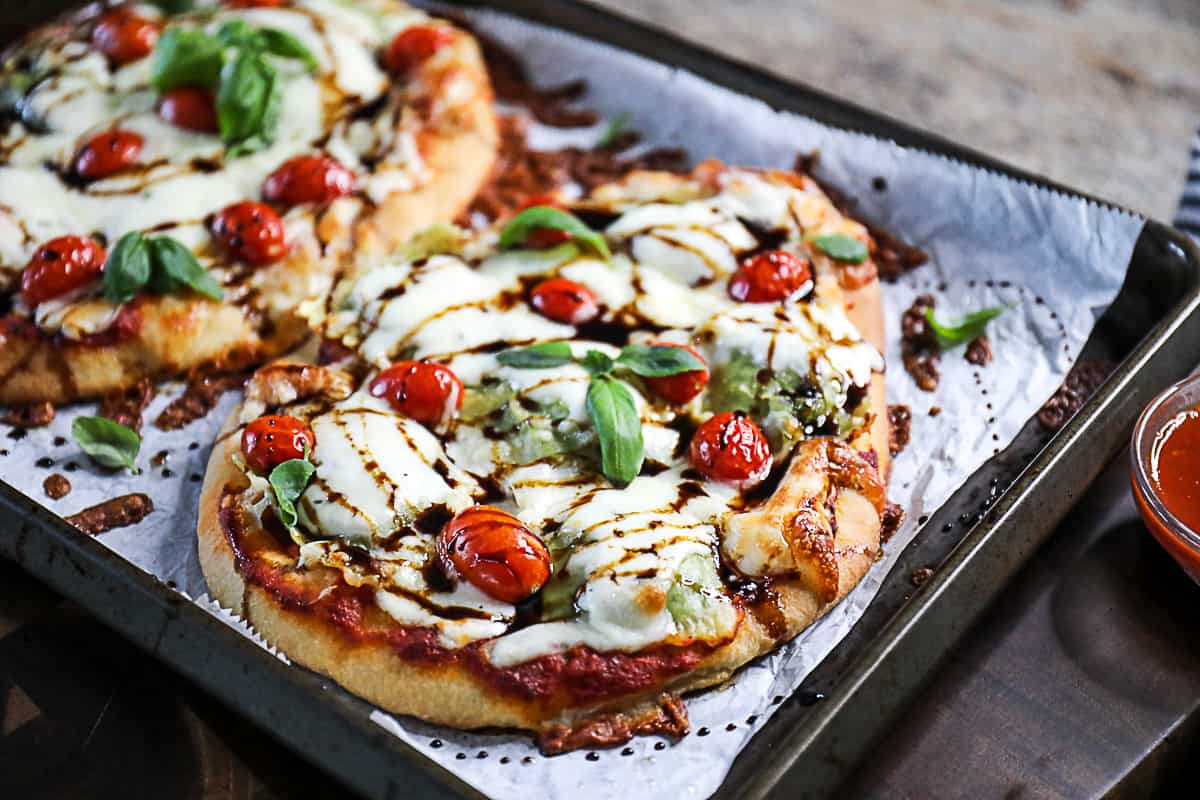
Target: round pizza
[(557, 472), (173, 188)]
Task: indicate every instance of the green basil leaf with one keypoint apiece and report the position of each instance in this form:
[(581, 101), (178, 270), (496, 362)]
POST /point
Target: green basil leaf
[(842, 248), (108, 443), (288, 482), (519, 227), (236, 33), (185, 57), (173, 6), (285, 45), (176, 269), (127, 269), (656, 360), (618, 425), (615, 128), (596, 363), (543, 355), (962, 330), (248, 103)]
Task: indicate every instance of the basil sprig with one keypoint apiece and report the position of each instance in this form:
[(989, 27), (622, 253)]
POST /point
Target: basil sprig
[(519, 227), (610, 404), (952, 334), (108, 443), (841, 247), (234, 63), (160, 264), (288, 481), (613, 131)]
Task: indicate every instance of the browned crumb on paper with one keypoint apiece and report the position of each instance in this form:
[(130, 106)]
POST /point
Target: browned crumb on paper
[(198, 398), (511, 83), (38, 415), (128, 509), (918, 344), (979, 351), (899, 427), (666, 718), (920, 576), (935, 411), (1081, 382), (893, 518), (125, 406), (56, 486)]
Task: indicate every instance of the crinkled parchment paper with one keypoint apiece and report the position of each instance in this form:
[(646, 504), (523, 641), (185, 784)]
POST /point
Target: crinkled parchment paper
[(1057, 262)]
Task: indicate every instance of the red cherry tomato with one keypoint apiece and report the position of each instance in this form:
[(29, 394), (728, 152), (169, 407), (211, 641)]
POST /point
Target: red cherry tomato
[(108, 153), (412, 46), (731, 449), (269, 441), (191, 108), (426, 391), (60, 266), (769, 277), (308, 179), (681, 387), (494, 552), (251, 231), (543, 238), (123, 36), (565, 301)]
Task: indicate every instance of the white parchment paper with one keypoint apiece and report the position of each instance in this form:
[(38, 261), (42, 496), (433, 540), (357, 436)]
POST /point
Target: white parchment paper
[(1057, 262)]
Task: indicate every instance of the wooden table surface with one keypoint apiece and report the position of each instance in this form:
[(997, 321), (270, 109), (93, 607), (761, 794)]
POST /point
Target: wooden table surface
[(1100, 94)]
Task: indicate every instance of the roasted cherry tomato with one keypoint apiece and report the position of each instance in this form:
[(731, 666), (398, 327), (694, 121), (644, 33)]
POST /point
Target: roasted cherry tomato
[(681, 387), (108, 153), (769, 277), (412, 46), (494, 552), (251, 231), (269, 441), (731, 449), (60, 266), (308, 179), (543, 238), (123, 36), (423, 390), (565, 301), (191, 108)]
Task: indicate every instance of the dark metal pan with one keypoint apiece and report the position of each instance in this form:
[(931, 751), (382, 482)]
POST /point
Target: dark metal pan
[(976, 541)]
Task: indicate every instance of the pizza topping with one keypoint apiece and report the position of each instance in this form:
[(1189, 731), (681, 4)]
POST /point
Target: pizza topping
[(288, 481), (544, 238), (548, 218), (731, 449), (428, 392), (314, 179), (123, 36), (841, 247), (60, 267), (160, 264), (192, 108), (680, 387), (251, 232), (269, 441), (493, 550), (565, 301), (771, 277), (413, 46), (108, 153), (108, 443)]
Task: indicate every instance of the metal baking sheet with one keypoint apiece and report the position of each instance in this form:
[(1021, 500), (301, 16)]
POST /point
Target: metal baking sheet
[(810, 742)]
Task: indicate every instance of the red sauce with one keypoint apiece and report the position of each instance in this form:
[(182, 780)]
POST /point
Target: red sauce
[(1175, 467)]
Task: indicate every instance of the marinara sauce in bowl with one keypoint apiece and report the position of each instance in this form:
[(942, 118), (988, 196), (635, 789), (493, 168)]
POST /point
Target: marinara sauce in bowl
[(1166, 471)]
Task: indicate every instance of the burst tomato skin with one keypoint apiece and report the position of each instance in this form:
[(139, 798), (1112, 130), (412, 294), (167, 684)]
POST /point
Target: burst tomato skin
[(107, 153), (565, 301), (769, 277), (60, 266), (494, 551), (309, 179), (425, 391), (413, 46), (543, 238), (191, 108), (269, 441), (251, 231), (730, 448), (681, 387), (123, 36)]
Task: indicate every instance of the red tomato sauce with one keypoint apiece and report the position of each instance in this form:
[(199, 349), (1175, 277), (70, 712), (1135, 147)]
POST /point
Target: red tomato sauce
[(1175, 467)]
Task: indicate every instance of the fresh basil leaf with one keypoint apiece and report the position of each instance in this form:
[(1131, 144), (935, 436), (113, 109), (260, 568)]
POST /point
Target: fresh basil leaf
[(519, 227), (173, 6), (615, 128), (176, 269), (108, 443), (236, 33), (127, 269), (285, 45), (596, 363), (543, 355), (962, 330), (248, 103), (618, 425), (841, 247), (185, 57), (656, 360), (288, 482)]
